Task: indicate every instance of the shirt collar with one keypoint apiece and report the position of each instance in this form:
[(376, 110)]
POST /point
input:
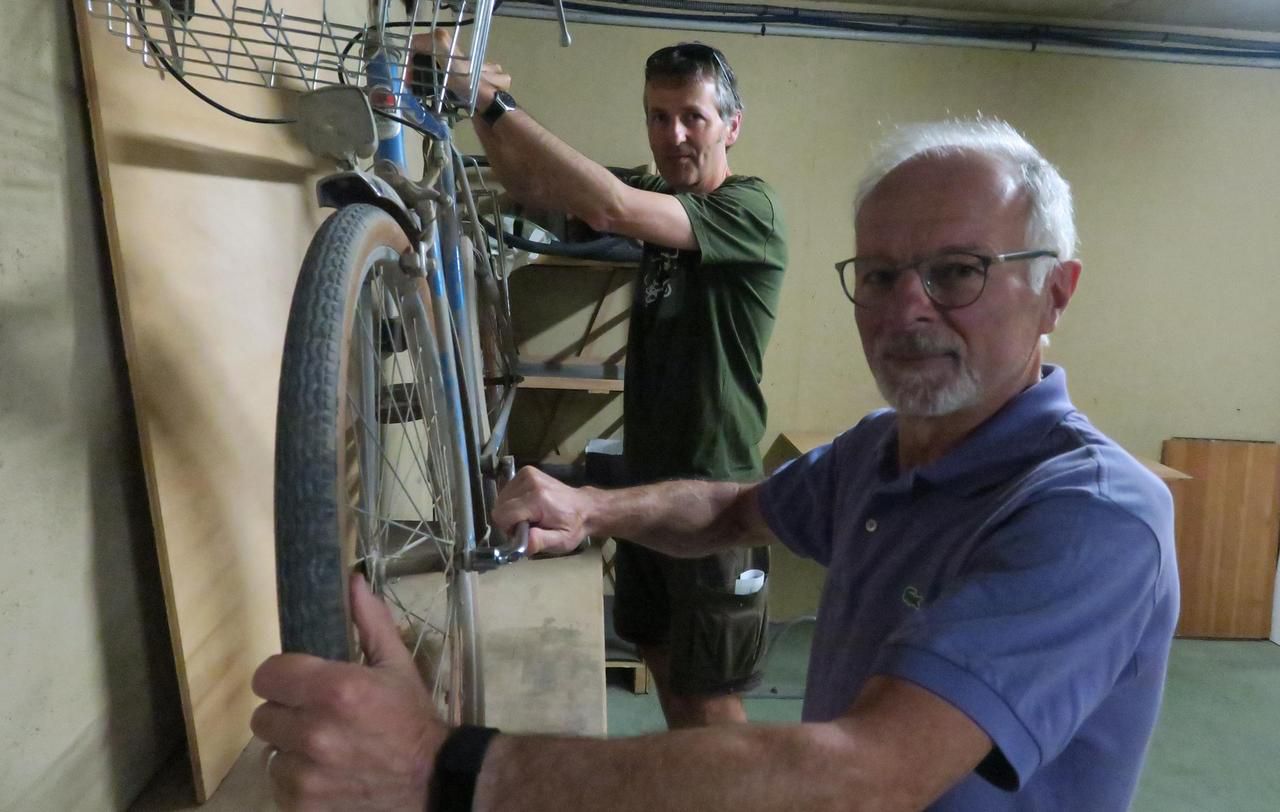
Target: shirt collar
[(984, 457)]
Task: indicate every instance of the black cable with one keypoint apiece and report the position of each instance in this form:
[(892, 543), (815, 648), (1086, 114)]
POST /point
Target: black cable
[(182, 80), (413, 125), (199, 94), (222, 107)]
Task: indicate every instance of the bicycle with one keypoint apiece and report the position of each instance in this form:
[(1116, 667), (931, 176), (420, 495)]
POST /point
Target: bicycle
[(399, 367)]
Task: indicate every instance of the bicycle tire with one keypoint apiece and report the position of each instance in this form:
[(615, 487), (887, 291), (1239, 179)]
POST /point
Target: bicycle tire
[(353, 399)]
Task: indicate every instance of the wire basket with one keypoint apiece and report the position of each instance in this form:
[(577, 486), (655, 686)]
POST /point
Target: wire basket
[(265, 45)]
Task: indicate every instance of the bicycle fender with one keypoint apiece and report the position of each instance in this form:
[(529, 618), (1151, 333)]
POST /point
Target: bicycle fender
[(346, 188)]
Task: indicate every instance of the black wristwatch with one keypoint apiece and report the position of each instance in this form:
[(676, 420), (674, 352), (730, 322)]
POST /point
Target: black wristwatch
[(458, 762), (502, 103)]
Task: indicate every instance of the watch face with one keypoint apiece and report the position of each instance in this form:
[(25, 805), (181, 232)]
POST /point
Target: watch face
[(502, 102)]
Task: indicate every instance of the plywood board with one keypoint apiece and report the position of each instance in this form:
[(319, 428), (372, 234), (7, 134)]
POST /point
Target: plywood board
[(542, 640), (542, 644), (1227, 532), (208, 219)]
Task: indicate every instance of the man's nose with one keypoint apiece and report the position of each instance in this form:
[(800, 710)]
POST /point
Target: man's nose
[(910, 302), (675, 132)]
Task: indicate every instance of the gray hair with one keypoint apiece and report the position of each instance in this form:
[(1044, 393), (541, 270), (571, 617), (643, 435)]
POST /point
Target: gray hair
[(697, 61), (1051, 223)]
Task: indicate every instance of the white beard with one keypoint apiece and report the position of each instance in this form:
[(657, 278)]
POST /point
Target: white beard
[(925, 393)]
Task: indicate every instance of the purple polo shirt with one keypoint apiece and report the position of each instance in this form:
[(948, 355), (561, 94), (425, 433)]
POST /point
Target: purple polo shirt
[(1027, 578)]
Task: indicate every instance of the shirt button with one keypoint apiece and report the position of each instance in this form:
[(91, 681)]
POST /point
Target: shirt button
[(871, 525)]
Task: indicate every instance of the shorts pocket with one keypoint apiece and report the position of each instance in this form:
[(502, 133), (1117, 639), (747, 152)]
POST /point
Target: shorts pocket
[(721, 646)]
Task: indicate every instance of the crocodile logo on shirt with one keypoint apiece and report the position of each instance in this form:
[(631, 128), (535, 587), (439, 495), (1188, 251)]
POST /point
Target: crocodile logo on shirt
[(912, 597)]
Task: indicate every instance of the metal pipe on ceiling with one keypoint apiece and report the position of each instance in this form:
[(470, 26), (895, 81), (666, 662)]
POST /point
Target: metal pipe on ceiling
[(915, 29)]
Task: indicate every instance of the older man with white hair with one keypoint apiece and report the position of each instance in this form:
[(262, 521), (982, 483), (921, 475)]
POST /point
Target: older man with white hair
[(1001, 590)]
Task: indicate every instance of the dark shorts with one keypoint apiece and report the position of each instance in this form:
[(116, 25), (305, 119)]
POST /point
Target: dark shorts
[(716, 639)]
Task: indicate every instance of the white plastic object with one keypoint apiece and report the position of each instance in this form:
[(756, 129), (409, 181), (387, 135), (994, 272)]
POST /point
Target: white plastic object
[(749, 582)]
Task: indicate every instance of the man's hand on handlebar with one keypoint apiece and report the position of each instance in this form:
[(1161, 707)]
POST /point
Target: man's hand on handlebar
[(439, 46), (557, 514)]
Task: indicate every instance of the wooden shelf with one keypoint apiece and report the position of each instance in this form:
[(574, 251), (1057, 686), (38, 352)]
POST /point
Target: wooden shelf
[(545, 261), (578, 377)]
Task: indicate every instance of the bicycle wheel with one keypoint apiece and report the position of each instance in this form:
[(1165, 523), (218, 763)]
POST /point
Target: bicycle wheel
[(368, 464)]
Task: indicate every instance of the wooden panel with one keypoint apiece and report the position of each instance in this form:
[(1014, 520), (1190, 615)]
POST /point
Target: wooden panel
[(1228, 529), (572, 383), (207, 219), (542, 638), (542, 641), (549, 262)]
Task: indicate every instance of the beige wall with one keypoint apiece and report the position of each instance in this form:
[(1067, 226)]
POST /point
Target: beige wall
[(1174, 169), (89, 705)]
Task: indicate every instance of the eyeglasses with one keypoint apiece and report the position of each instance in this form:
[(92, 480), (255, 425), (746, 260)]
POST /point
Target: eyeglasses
[(950, 280), (666, 61)]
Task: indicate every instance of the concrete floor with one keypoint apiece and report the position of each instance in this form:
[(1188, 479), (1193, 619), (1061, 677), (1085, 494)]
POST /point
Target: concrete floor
[(243, 790), (1215, 745), (1214, 748)]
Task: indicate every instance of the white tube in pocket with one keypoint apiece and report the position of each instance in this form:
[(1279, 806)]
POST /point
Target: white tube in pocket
[(749, 582)]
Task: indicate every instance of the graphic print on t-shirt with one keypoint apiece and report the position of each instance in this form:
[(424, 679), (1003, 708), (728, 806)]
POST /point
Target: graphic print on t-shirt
[(658, 277)]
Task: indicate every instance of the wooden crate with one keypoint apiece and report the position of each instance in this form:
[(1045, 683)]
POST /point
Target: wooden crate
[(1227, 535), (637, 673)]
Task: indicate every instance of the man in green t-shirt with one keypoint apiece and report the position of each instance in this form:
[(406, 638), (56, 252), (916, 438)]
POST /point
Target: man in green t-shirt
[(705, 302)]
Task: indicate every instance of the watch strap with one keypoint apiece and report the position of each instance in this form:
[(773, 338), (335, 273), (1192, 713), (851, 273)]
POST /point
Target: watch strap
[(458, 762)]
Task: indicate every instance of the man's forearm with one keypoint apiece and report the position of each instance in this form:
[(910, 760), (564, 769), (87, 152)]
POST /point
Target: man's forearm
[(538, 169), (732, 767), (685, 518)]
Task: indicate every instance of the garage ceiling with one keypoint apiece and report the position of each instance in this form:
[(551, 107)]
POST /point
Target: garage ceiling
[(1241, 15)]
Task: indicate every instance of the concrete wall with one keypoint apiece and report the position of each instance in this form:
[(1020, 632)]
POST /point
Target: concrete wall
[(1173, 167), (89, 705)]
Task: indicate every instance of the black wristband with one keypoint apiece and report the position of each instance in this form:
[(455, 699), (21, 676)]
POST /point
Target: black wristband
[(458, 762), (502, 103)]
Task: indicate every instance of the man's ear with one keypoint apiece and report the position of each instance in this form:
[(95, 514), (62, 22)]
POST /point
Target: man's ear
[(1059, 287), (735, 127)]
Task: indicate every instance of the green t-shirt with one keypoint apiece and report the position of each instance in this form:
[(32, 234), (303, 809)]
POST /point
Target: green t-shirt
[(700, 322)]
